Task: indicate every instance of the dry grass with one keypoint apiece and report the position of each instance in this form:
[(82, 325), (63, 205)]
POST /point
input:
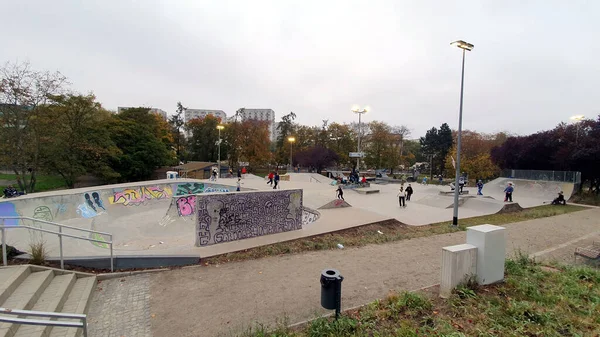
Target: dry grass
[(39, 253), (385, 231)]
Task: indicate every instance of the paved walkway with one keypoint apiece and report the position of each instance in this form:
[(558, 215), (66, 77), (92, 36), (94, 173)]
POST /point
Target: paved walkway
[(223, 300)]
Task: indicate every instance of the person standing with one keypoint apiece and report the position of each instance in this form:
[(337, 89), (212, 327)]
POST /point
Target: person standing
[(402, 197), (276, 180), (270, 177), (509, 191), (244, 172), (441, 180), (409, 192), (239, 183), (239, 173), (479, 187), (461, 184), (340, 192)]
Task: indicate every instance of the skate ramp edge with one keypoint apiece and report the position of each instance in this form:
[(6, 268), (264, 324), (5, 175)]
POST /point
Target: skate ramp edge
[(337, 203)]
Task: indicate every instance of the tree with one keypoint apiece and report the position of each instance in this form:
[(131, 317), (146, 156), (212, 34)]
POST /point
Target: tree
[(379, 146), (255, 142), (136, 133), (75, 139), (285, 128), (177, 124), (202, 145), (445, 142), (317, 157), (437, 143), (342, 140), (23, 92)]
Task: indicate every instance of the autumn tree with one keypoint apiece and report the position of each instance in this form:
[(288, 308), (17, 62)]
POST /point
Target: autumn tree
[(342, 140), (23, 94), (255, 142), (75, 138), (475, 159)]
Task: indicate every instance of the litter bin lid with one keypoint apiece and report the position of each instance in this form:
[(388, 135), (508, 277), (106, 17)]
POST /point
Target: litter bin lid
[(330, 273)]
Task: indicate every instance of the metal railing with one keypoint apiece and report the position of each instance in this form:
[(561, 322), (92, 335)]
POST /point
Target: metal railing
[(81, 317), (564, 176), (59, 233)]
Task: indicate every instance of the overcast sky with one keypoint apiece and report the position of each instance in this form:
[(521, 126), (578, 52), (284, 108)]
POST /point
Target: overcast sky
[(535, 63)]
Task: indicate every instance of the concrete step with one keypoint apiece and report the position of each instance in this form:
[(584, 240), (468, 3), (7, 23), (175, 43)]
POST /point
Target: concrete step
[(10, 278), (77, 302), (51, 300), (24, 297)]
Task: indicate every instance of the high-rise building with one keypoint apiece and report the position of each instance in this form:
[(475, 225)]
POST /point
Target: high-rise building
[(157, 111), (201, 113), (267, 115)]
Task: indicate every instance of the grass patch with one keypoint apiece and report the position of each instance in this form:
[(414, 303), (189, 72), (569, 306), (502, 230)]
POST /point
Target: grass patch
[(39, 253), (385, 231), (531, 302), (43, 182), (586, 198)]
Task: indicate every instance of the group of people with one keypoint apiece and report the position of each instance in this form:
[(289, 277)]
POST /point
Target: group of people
[(11, 192), (273, 179), (404, 195)]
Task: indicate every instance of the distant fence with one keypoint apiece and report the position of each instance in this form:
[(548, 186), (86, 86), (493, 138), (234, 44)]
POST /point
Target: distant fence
[(565, 176)]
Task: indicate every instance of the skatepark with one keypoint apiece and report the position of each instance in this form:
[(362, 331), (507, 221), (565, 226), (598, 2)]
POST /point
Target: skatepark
[(157, 218)]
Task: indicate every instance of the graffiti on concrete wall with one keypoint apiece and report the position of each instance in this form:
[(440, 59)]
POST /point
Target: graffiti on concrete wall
[(8, 209), (189, 188), (215, 189), (229, 217), (60, 209), (186, 205), (86, 211), (138, 196), (93, 201), (43, 213), (309, 216)]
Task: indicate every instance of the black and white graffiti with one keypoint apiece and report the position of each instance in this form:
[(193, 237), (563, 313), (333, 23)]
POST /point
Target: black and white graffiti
[(309, 216), (237, 216)]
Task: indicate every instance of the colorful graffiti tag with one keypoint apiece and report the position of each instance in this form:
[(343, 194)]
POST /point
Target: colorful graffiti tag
[(134, 197), (189, 188), (86, 211), (187, 204), (229, 217), (8, 209)]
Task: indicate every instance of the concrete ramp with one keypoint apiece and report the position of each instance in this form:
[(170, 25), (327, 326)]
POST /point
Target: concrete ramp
[(528, 193), (308, 177), (337, 203)]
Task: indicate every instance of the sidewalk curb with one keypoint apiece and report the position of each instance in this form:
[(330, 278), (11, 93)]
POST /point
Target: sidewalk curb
[(103, 277)]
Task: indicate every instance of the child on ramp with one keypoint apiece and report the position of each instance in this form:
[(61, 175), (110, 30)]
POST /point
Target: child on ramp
[(340, 192)]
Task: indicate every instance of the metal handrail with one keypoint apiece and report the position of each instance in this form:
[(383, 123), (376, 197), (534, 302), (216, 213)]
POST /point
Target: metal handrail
[(59, 233), (81, 324)]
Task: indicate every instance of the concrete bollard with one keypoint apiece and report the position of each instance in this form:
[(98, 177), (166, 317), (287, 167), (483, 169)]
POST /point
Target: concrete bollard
[(490, 241), (458, 264)]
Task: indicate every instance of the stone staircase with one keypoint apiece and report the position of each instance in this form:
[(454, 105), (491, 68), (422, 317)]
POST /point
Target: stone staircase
[(35, 288)]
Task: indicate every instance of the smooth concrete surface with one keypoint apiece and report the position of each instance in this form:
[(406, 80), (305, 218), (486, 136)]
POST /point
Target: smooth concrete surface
[(144, 217), (458, 264), (490, 241)]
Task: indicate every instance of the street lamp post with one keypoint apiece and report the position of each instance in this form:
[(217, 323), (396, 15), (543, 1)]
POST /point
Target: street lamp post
[(219, 127), (291, 140), (358, 110), (465, 46)]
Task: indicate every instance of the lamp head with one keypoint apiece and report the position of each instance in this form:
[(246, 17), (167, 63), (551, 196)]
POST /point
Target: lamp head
[(291, 139), (220, 127), (463, 45), (355, 108), (577, 118)]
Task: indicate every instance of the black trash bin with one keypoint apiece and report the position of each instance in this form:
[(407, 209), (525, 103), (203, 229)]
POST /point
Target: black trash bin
[(331, 290)]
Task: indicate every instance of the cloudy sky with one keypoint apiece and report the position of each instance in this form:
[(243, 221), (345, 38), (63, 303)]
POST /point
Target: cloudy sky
[(535, 63)]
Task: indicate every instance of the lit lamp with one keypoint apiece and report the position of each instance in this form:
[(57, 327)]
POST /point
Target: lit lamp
[(219, 127), (358, 110), (465, 46), (577, 120), (291, 140)]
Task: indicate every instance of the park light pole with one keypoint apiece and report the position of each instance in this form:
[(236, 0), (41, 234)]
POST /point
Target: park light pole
[(291, 140), (219, 127), (465, 46), (358, 110), (577, 120)]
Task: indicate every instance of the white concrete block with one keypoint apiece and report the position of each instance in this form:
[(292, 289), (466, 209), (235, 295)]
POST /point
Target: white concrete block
[(490, 241), (458, 264)]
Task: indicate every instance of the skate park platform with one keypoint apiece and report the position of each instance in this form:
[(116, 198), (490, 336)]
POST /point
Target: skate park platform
[(146, 220)]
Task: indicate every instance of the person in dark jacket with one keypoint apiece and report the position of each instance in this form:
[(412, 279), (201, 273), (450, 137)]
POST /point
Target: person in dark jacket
[(560, 200), (409, 192), (508, 192), (340, 192), (479, 187), (276, 180)]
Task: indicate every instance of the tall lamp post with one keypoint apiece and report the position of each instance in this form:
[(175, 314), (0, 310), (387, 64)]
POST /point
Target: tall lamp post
[(291, 140), (358, 110), (577, 119), (465, 46), (219, 127)]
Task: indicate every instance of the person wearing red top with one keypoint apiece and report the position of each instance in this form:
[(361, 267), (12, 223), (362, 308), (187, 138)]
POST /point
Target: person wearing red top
[(270, 177), (364, 180), (244, 172)]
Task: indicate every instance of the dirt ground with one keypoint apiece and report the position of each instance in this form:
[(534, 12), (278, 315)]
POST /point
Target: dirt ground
[(225, 299)]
